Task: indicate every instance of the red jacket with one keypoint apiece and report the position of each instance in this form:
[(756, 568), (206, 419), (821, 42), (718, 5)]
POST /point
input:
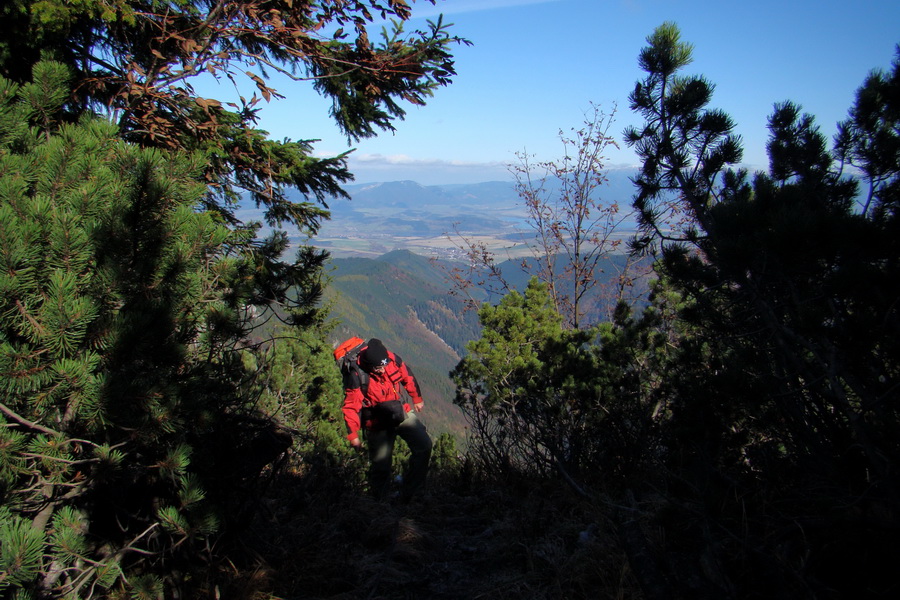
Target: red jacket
[(382, 387)]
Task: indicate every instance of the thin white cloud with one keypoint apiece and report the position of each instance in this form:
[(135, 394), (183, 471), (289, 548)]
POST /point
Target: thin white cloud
[(453, 7), (397, 160), (427, 171)]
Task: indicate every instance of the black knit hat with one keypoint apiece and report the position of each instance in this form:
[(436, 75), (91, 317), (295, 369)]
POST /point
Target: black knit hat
[(375, 355)]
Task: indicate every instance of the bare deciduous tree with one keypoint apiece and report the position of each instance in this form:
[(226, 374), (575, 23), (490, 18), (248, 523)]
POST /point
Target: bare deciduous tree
[(575, 230)]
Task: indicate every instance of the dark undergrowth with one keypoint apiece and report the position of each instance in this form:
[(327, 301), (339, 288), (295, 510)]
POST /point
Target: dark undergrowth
[(318, 535), (323, 538)]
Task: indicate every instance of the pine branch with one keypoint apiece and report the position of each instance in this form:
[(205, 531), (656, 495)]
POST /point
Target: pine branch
[(23, 421), (62, 460)]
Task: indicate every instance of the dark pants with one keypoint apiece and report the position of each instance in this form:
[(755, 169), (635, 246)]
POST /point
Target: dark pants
[(381, 449)]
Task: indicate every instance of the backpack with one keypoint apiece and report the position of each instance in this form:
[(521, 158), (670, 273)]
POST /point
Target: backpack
[(346, 355)]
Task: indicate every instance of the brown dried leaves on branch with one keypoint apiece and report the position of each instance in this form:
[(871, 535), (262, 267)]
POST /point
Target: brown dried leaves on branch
[(138, 64)]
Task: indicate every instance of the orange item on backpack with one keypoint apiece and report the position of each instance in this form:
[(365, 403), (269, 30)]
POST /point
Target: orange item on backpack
[(346, 346)]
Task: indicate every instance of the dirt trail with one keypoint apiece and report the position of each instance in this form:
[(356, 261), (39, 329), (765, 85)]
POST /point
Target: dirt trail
[(450, 544), (440, 550)]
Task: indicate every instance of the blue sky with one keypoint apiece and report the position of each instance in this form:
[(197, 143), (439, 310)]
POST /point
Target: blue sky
[(536, 67)]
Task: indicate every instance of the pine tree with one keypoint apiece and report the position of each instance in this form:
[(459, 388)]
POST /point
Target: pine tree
[(140, 371), (787, 254), (120, 369), (135, 61), (791, 293), (522, 386)]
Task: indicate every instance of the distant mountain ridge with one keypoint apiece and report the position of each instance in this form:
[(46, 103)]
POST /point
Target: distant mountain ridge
[(385, 216), (412, 195), (489, 194)]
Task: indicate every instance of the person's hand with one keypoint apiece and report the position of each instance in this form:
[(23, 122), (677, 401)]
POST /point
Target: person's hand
[(419, 405), (356, 443)]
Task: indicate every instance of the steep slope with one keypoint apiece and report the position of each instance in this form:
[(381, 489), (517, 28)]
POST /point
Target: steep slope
[(395, 299), (403, 299), (416, 265)]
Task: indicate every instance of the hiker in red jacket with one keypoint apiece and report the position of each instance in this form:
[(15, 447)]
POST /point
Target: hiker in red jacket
[(372, 403)]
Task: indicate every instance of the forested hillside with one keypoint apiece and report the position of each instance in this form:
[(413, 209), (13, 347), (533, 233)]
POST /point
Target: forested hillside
[(170, 420), (408, 301), (402, 299)]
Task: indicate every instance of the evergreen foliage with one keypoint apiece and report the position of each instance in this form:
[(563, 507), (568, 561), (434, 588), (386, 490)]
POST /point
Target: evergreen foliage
[(543, 400), (135, 423), (869, 141), (800, 281), (521, 388), (141, 372), (792, 293), (742, 430), (737, 437)]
